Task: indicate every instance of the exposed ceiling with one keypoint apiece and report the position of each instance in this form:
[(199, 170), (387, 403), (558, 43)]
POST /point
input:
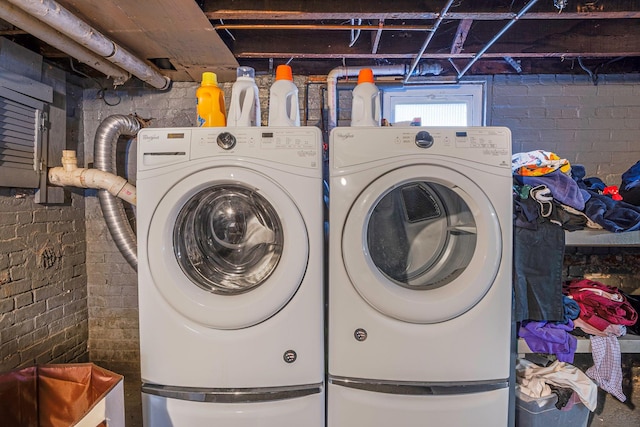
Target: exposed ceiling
[(183, 38)]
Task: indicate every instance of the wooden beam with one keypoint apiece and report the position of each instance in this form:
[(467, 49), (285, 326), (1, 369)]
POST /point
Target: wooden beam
[(562, 55), (288, 15), (411, 9), (324, 27), (461, 35), (271, 15)]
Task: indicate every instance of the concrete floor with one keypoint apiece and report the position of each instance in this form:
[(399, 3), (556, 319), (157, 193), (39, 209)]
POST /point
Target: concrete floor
[(132, 403), (609, 413)]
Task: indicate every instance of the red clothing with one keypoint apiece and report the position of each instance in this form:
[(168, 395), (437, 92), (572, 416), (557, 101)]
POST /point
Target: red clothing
[(600, 305)]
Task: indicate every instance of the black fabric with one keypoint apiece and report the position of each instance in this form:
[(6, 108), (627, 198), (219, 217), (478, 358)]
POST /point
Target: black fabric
[(563, 393), (537, 269), (634, 300), (526, 212), (573, 222), (631, 196)]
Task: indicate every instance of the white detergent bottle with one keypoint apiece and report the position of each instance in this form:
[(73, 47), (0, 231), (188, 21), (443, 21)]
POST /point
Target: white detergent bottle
[(245, 100), (283, 99), (365, 107)]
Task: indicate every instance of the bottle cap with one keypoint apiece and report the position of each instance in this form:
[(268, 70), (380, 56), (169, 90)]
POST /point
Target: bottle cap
[(365, 76), (283, 72), (209, 78), (245, 72)]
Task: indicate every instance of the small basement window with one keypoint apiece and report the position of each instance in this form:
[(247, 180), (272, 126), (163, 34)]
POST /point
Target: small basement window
[(436, 105)]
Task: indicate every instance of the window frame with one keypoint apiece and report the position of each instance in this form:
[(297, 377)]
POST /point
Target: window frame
[(473, 94)]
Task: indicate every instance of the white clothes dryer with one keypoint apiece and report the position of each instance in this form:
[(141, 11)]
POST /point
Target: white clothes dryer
[(230, 233), (420, 245)]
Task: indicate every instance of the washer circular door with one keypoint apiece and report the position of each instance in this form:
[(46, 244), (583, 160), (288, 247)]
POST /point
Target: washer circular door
[(228, 248), (422, 244)]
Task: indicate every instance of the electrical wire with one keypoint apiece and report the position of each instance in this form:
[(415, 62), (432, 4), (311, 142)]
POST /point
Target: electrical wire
[(355, 34)]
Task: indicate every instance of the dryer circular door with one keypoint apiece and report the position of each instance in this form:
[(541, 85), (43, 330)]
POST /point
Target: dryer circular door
[(227, 247), (422, 244)]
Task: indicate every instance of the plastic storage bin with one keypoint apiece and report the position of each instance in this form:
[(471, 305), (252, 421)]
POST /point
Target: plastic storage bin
[(79, 395), (542, 412)]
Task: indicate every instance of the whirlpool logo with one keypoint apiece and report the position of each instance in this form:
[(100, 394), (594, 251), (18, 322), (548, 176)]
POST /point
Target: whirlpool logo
[(344, 136)]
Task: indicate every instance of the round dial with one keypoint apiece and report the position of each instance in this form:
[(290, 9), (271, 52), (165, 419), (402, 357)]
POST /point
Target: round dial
[(226, 140), (424, 139)]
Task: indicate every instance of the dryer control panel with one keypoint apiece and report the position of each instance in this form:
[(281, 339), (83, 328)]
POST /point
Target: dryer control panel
[(485, 145)]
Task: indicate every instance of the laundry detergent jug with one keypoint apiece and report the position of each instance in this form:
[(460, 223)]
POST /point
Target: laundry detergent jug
[(365, 107), (245, 100), (210, 102), (284, 109)]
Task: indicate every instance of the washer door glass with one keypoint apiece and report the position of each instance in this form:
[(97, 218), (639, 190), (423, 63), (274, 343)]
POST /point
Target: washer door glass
[(227, 247), (228, 239), (422, 244)]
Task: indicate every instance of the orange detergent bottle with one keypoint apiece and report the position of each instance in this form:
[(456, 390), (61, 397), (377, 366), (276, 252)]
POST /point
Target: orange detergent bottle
[(365, 107), (210, 102)]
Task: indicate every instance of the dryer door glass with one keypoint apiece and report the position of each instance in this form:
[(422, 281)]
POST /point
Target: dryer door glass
[(228, 239), (423, 243), (421, 235)]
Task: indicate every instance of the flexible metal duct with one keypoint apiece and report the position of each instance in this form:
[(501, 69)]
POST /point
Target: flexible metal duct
[(104, 158)]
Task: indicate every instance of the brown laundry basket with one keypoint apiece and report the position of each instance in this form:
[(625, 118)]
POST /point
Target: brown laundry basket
[(62, 395)]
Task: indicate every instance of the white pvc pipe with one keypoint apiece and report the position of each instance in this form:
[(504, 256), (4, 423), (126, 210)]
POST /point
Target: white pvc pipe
[(64, 21), (70, 175), (26, 22)]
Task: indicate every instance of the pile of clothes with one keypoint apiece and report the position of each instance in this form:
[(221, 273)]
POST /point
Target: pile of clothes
[(551, 196), (572, 201), (569, 383)]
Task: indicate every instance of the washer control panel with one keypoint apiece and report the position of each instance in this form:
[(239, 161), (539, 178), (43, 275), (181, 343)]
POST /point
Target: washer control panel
[(295, 146)]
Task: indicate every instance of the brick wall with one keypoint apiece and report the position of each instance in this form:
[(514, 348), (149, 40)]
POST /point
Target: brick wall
[(614, 266), (43, 297), (563, 114), (43, 281)]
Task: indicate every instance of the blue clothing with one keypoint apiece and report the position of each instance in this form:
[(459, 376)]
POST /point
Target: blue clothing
[(631, 178), (612, 215)]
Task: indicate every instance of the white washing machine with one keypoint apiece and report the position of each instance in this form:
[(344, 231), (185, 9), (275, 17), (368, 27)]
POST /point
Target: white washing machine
[(420, 248), (230, 236)]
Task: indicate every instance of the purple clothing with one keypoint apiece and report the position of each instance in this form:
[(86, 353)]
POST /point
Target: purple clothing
[(563, 188), (550, 338)]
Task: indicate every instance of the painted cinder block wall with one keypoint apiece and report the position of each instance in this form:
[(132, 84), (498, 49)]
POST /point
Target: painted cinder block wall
[(597, 126)]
